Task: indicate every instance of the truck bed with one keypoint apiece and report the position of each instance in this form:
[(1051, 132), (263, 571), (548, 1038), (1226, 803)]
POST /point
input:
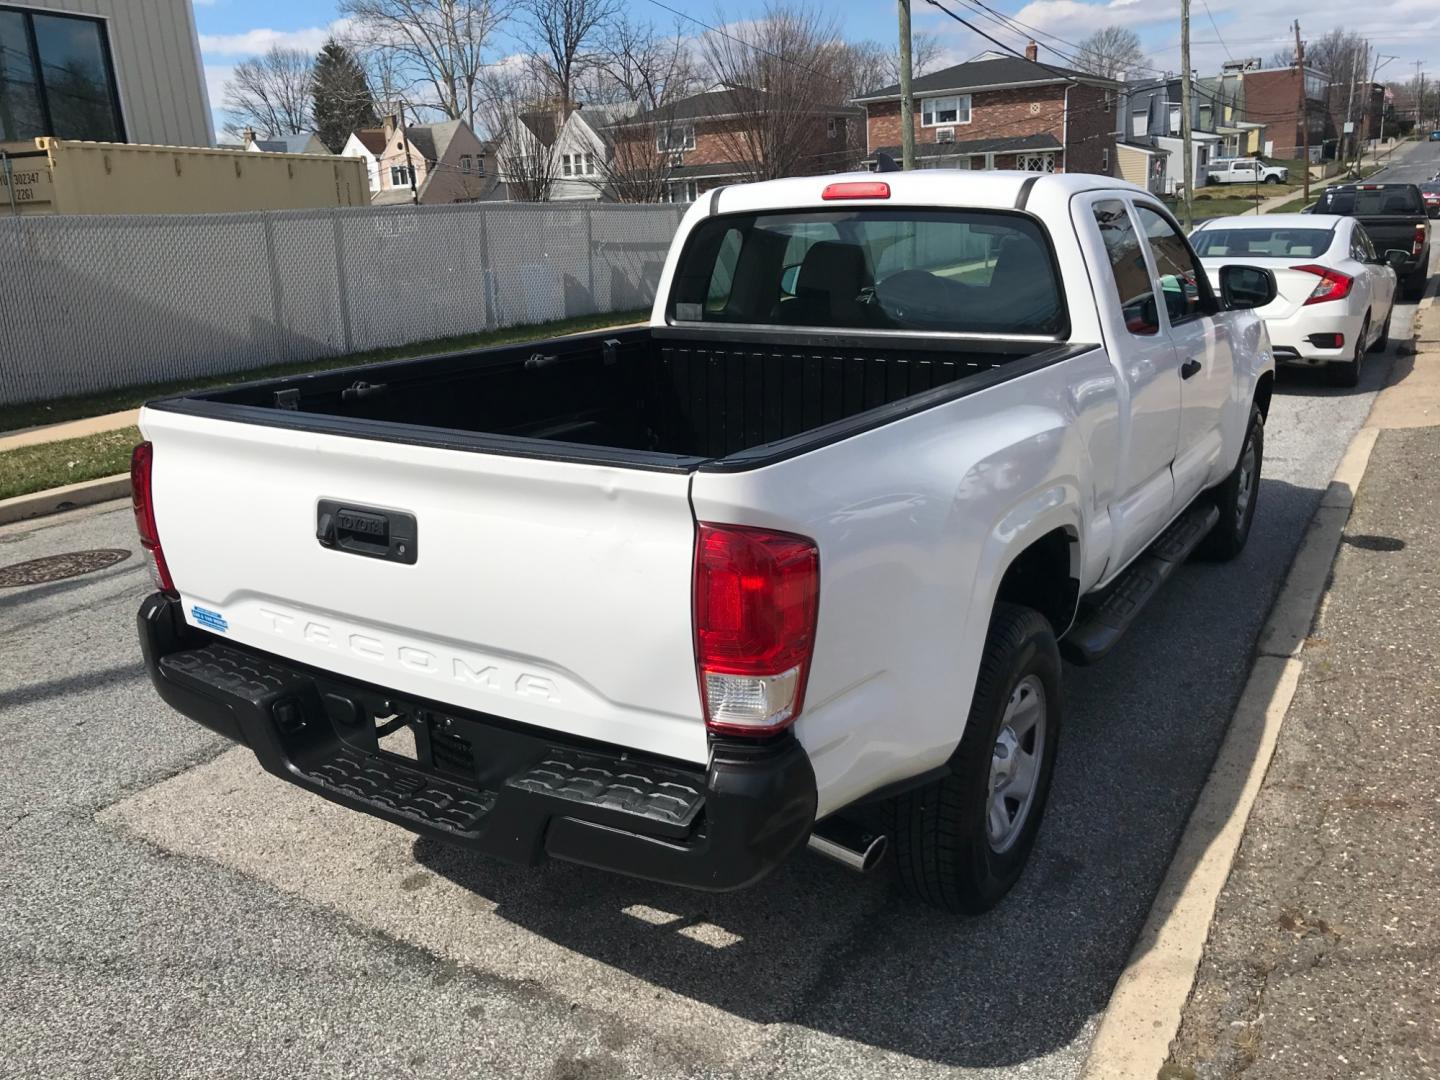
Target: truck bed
[(657, 398)]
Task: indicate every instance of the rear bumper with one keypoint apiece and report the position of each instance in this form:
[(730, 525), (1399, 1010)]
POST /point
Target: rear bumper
[(1293, 339), (486, 784)]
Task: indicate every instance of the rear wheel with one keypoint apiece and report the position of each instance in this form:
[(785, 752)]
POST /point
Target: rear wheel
[(1236, 497), (1347, 372), (962, 842)]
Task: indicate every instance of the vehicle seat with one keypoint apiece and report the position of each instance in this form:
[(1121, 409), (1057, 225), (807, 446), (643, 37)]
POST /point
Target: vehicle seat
[(1020, 279), (827, 288)]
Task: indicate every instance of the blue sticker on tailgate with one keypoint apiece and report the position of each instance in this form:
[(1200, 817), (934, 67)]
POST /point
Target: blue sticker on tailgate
[(211, 620)]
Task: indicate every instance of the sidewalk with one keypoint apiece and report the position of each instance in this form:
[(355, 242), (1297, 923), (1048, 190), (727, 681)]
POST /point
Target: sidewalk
[(1324, 955), (70, 429)]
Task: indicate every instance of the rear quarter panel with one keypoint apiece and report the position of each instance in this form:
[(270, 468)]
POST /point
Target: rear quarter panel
[(916, 522)]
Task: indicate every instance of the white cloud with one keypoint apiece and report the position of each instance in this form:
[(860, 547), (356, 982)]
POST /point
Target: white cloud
[(262, 39)]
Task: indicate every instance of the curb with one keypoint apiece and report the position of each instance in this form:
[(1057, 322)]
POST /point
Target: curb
[(85, 493), (1143, 1015)]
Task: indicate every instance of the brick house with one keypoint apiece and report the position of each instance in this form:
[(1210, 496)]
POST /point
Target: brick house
[(1001, 112), (708, 140), (1272, 97), (450, 163)]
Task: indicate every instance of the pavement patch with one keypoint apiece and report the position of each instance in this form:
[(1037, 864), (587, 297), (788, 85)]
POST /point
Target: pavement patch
[(710, 970)]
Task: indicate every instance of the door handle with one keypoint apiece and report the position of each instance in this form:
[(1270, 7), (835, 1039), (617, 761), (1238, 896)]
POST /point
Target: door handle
[(1189, 368)]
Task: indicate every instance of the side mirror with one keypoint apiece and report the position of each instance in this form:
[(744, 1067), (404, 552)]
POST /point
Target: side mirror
[(1244, 287), (1395, 258)]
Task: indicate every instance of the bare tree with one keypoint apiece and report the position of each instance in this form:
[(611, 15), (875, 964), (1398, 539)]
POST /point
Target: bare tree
[(783, 89), (270, 94), (524, 123), (567, 36), (866, 66), (636, 62), (639, 166), (1110, 52), (435, 51)]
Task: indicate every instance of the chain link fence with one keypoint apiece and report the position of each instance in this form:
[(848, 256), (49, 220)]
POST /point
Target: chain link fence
[(99, 303)]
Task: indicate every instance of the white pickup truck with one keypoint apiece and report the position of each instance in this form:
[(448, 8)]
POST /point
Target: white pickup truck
[(1246, 171), (789, 564)]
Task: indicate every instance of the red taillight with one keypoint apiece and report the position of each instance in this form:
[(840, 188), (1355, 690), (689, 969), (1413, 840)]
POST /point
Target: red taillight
[(143, 500), (1417, 245), (1333, 284), (857, 189), (757, 594)]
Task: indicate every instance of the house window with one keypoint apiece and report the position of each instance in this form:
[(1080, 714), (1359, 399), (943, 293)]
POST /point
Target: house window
[(830, 128), (56, 78), (1035, 162), (1207, 117), (465, 163), (1140, 122), (680, 137), (1174, 119), (1105, 161), (945, 110), (682, 191), (565, 165), (1109, 101), (589, 164), (402, 175), (480, 164)]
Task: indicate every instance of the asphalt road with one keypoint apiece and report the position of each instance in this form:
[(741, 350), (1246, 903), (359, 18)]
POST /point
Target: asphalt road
[(170, 911)]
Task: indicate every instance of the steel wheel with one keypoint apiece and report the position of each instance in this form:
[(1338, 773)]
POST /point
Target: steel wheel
[(1015, 764)]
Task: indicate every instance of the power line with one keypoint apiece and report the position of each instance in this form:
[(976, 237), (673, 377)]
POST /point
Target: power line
[(1210, 15)]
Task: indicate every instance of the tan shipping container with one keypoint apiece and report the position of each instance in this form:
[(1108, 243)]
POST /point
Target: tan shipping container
[(55, 176)]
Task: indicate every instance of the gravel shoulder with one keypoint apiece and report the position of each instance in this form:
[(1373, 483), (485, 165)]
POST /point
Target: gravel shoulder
[(1324, 956)]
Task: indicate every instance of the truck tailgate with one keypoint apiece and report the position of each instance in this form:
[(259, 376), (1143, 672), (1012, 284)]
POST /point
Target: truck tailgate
[(551, 593)]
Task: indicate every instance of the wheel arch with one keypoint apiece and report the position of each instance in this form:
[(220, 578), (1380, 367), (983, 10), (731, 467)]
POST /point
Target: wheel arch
[(1264, 391), (1045, 576)]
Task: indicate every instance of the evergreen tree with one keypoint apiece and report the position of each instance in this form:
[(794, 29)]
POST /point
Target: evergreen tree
[(343, 102)]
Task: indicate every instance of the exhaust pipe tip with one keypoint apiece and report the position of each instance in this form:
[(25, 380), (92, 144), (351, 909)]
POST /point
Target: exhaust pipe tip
[(848, 844)]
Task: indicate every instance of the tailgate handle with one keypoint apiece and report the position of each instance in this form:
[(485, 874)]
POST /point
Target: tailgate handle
[(366, 530)]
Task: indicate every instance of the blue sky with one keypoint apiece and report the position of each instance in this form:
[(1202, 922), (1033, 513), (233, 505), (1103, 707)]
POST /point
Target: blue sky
[(231, 30)]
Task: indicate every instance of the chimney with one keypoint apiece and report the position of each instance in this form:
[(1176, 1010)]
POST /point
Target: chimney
[(1032, 51), (249, 136), (391, 123)]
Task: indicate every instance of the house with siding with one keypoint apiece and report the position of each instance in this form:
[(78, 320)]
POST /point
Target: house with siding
[(136, 63), (1149, 126), (1000, 111), (542, 156), (447, 163)]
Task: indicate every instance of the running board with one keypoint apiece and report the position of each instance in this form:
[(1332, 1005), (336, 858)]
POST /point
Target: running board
[(1100, 625)]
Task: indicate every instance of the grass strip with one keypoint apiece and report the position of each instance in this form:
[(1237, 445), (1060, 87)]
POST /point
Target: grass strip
[(54, 464)]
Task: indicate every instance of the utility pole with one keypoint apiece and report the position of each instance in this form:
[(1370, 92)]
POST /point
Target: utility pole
[(1304, 107), (1419, 94), (907, 102), (1350, 106), (1186, 152)]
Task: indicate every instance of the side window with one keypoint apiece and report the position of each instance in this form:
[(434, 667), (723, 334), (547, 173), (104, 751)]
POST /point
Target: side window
[(1131, 277), (1367, 246), (722, 279), (1182, 283)]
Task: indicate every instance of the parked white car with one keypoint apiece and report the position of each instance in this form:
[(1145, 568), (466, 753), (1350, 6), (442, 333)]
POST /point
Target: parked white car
[(1246, 171), (1335, 290)]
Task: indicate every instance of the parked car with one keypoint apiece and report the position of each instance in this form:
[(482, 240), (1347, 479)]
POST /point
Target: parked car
[(1430, 192), (1246, 171), (1395, 218), (1336, 292), (672, 601), (1435, 136)]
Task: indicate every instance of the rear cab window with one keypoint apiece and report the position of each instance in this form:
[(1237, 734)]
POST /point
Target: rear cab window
[(985, 272), (1400, 199)]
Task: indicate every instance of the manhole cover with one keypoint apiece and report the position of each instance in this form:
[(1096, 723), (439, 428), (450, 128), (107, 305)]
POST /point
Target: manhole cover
[(58, 567)]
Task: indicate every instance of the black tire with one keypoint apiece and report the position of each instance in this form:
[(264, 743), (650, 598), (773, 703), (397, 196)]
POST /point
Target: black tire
[(1227, 538), (1347, 372), (1272, 179), (1414, 286), (943, 851), (1383, 341)]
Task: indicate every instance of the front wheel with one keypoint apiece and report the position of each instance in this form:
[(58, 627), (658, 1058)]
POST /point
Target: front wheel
[(962, 842), (1272, 179), (1237, 496)]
